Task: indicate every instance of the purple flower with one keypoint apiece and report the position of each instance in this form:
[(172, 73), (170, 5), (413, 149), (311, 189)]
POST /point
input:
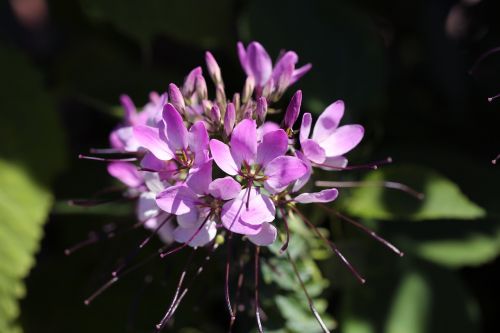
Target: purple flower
[(171, 140), (257, 63)]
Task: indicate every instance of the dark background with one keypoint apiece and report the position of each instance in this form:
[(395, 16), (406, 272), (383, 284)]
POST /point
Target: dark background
[(403, 69)]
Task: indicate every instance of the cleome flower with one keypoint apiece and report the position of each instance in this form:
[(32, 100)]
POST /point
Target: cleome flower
[(203, 171)]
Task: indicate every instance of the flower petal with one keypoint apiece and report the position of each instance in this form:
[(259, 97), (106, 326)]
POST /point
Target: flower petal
[(244, 141), (188, 220), (265, 237), (334, 163), (202, 237), (267, 127), (328, 121), (149, 138), (282, 171), (300, 72), (287, 61), (305, 178), (242, 55), (273, 144), (305, 127), (223, 158), (260, 209), (175, 130), (146, 206), (178, 200), (199, 178), (198, 142), (259, 63), (230, 217), (127, 173), (342, 140), (313, 151), (322, 196), (224, 188), (153, 182)]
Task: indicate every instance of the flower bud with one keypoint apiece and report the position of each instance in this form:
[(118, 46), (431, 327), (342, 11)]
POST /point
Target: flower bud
[(176, 98), (129, 108), (293, 110), (213, 68), (248, 89), (261, 109), (215, 114), (229, 119), (201, 87), (190, 82)]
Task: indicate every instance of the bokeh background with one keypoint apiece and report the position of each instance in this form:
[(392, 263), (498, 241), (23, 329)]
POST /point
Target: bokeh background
[(406, 70)]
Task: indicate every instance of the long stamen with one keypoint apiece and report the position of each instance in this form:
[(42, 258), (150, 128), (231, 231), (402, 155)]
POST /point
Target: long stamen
[(491, 99), (100, 290), (309, 299), (93, 238), (373, 166), (94, 158), (495, 160), (372, 233), (92, 202), (183, 245), (287, 239), (482, 58), (109, 151), (256, 278), (171, 311), (332, 246), (228, 270), (241, 278), (386, 184), (155, 231)]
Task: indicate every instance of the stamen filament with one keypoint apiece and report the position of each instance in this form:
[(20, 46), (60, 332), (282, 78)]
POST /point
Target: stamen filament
[(256, 281), (386, 184), (94, 158)]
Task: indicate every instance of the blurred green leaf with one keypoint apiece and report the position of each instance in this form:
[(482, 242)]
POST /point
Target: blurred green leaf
[(443, 199), (417, 298), (32, 152), (201, 23), (24, 206)]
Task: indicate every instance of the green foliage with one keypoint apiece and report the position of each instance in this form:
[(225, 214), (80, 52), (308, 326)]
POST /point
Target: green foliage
[(31, 154), (416, 298), (443, 199)]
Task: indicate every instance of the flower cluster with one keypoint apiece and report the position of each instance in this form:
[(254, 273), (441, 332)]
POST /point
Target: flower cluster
[(210, 166)]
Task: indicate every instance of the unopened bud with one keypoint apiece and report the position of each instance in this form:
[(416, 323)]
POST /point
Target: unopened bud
[(215, 114), (176, 98), (201, 87), (261, 109), (190, 82), (293, 110), (213, 68), (248, 89), (229, 119)]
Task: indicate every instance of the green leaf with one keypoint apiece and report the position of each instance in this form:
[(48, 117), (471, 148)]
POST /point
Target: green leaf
[(31, 154), (23, 209), (420, 298), (203, 23), (443, 199)]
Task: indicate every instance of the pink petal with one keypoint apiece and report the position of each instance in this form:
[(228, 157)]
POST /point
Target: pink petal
[(150, 162), (230, 217), (342, 140), (282, 171), (175, 130), (127, 173), (242, 55), (267, 127), (266, 236), (223, 158), (284, 64), (199, 178), (146, 206), (198, 142), (188, 220), (244, 141), (149, 138), (322, 196), (259, 63), (305, 178), (260, 209), (206, 234), (273, 144), (224, 188), (305, 127), (300, 72), (313, 151), (129, 108), (328, 121), (178, 200), (334, 163)]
